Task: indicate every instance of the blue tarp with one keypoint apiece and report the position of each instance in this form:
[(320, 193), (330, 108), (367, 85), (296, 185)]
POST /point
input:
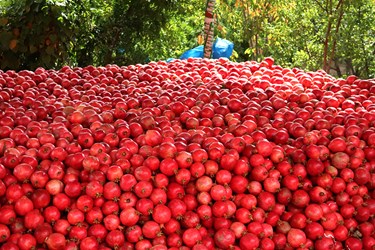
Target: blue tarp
[(196, 52), (221, 48)]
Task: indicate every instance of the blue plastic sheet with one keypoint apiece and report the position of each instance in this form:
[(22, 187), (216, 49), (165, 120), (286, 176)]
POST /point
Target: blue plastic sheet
[(196, 52), (221, 48)]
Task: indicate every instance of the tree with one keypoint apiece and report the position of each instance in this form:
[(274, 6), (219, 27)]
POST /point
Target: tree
[(43, 33), (356, 42), (335, 35), (209, 28), (182, 31), (51, 33), (133, 25), (247, 24), (334, 11)]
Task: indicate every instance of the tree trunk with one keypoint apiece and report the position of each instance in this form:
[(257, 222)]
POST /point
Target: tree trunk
[(209, 28), (349, 67), (340, 8), (337, 69), (326, 45), (108, 58)]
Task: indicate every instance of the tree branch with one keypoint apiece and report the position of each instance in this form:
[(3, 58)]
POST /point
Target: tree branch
[(341, 13), (341, 2), (326, 44), (363, 47), (338, 70), (330, 9), (321, 6)]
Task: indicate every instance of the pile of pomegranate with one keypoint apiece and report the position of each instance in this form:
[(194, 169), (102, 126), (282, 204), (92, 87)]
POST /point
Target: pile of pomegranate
[(191, 154)]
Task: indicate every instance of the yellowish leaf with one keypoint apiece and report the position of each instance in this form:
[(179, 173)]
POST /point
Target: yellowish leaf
[(247, 51), (200, 39), (234, 55)]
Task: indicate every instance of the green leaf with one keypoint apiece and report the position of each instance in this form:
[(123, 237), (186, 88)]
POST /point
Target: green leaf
[(61, 3)]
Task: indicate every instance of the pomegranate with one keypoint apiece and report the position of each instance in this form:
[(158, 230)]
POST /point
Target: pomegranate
[(190, 154)]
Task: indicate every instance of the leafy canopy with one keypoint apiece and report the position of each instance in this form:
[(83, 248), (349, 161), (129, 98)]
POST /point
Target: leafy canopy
[(335, 35)]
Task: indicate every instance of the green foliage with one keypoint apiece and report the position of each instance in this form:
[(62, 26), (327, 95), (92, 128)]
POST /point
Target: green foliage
[(36, 33), (180, 32), (249, 24), (47, 33), (307, 34), (336, 35), (138, 31), (51, 33), (356, 49)]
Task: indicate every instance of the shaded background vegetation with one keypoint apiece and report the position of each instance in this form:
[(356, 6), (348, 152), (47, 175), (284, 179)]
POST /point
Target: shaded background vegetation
[(335, 35)]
